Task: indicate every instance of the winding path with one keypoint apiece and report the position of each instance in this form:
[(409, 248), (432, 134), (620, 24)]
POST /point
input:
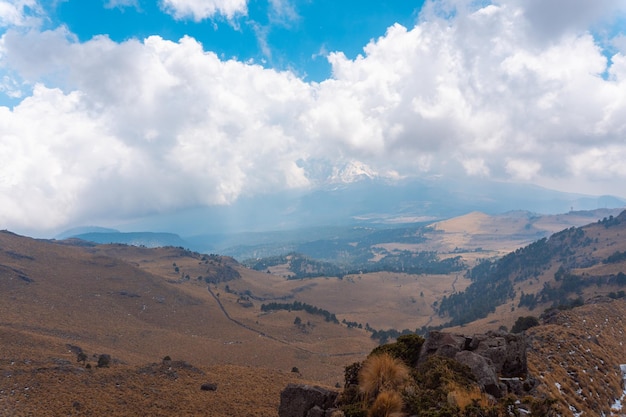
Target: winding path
[(252, 329)]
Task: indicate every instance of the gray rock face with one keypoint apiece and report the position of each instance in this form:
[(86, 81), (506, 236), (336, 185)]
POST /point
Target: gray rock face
[(484, 371), (442, 344), (298, 400), (491, 356)]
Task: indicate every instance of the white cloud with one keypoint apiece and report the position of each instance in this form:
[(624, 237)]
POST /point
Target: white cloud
[(148, 126), (283, 12), (109, 130), (550, 19), (110, 4), (19, 13), (203, 9)]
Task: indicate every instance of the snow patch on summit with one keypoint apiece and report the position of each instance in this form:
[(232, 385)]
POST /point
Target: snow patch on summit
[(355, 171)]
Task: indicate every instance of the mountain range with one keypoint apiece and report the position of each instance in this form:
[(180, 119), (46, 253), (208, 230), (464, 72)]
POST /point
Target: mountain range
[(361, 199), (171, 320)]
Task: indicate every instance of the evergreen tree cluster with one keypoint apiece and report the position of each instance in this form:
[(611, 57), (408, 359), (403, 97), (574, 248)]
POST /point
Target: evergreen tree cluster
[(299, 306)]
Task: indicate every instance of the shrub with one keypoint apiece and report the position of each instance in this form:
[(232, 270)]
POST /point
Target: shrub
[(382, 373), (387, 404), (406, 348), (524, 323), (81, 357), (104, 361)]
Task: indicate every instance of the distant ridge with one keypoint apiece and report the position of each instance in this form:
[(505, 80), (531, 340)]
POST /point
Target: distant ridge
[(146, 239), (76, 231)]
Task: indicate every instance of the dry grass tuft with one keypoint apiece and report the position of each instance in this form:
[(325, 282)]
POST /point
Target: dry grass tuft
[(382, 373), (387, 404), (462, 397)]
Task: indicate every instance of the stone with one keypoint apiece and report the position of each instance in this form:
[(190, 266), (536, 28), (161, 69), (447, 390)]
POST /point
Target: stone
[(207, 386), (442, 344), (297, 400), (483, 370), (316, 411), (507, 351), (490, 356)]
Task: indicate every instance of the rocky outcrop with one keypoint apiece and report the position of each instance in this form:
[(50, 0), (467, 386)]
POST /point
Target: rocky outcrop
[(507, 351), (443, 344), (484, 371), (298, 400), (497, 359)]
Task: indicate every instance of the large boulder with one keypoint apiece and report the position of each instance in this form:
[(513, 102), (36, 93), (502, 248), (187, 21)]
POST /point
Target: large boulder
[(443, 344), (484, 371), (507, 351), (491, 357), (298, 400)]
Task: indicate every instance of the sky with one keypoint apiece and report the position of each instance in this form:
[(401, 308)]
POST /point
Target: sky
[(116, 109)]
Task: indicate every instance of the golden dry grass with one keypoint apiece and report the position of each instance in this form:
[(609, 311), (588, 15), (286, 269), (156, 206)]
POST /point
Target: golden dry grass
[(381, 373), (462, 397), (387, 404), (62, 388), (577, 357)]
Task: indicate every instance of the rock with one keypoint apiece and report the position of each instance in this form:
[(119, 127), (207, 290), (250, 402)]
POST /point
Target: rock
[(442, 344), (297, 400), (507, 351), (490, 356), (483, 370), (316, 412), (207, 386)]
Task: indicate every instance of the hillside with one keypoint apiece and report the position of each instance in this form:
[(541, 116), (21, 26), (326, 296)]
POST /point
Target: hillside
[(576, 356), (569, 365), (139, 305), (247, 330), (567, 268)]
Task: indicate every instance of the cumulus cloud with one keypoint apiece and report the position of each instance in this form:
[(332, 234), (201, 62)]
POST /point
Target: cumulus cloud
[(550, 18), (202, 9), (110, 130), (146, 126), (19, 13)]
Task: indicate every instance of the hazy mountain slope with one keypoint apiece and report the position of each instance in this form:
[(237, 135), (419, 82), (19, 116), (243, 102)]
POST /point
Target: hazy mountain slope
[(503, 233), (471, 235), (147, 239), (571, 264), (369, 201)]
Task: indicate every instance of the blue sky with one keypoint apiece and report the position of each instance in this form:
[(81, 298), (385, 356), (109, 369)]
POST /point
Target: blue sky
[(113, 110), (286, 35)]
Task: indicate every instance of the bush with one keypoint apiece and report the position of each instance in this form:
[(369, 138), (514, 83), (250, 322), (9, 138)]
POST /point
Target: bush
[(406, 348), (524, 323), (104, 361), (387, 403), (81, 357), (382, 373)]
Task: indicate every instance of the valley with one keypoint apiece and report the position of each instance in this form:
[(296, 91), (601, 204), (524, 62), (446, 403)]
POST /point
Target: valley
[(255, 331)]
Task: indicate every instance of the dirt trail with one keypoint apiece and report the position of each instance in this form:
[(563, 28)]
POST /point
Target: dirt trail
[(252, 329)]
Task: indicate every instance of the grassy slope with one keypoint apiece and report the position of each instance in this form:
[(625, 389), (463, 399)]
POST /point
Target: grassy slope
[(54, 295)]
